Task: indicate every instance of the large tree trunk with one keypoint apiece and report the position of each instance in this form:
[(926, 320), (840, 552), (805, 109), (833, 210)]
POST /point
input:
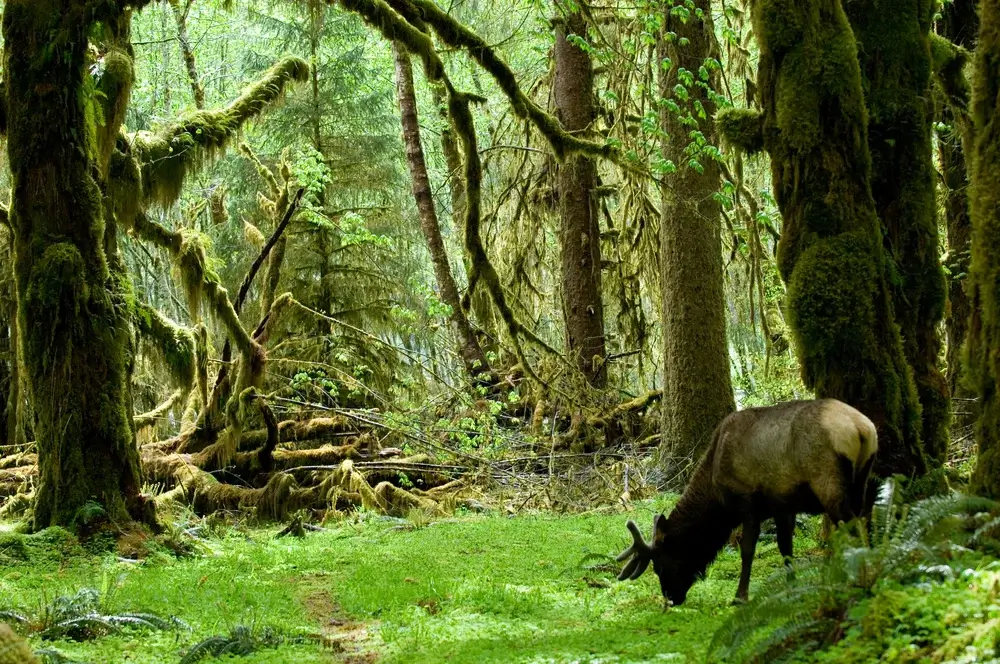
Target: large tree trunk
[(984, 329), (697, 390), (831, 253), (959, 23), (579, 235), (469, 349), (8, 383), (896, 72), (75, 336)]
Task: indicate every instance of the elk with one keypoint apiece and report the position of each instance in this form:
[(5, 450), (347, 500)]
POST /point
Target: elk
[(811, 457)]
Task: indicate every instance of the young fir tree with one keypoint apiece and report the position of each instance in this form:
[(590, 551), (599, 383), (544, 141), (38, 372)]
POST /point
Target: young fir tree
[(814, 127), (895, 58), (697, 390), (579, 234), (984, 329)]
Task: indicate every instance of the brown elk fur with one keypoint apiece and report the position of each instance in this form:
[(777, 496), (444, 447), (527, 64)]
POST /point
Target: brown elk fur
[(810, 457)]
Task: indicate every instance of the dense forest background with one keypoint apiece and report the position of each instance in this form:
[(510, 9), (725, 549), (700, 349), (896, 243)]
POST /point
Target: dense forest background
[(499, 231), (298, 260)]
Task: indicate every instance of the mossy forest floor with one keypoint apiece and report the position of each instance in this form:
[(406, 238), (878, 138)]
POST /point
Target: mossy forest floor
[(532, 588)]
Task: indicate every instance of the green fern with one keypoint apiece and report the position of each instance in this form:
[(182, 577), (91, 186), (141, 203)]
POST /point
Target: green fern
[(83, 616), (909, 543), (242, 640)]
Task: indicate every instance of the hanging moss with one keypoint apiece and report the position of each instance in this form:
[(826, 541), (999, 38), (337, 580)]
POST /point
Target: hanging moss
[(124, 189), (175, 344), (170, 152), (895, 58), (984, 329), (830, 253)]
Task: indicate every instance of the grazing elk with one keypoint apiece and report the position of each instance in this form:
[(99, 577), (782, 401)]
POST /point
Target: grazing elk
[(810, 457)]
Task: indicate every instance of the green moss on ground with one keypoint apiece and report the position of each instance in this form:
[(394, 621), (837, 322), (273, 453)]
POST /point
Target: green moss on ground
[(473, 589)]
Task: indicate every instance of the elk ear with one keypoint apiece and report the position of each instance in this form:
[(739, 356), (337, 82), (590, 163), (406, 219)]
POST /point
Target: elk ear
[(659, 529)]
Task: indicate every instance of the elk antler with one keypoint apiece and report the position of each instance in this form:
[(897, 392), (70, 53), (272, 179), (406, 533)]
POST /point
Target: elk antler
[(641, 553)]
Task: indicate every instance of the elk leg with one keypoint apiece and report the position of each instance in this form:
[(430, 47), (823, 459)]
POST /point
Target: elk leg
[(785, 525), (748, 545)]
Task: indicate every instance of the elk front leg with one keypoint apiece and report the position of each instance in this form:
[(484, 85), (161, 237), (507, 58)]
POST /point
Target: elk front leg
[(748, 545)]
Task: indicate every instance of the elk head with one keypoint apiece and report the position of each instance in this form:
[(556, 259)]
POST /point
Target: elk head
[(674, 583)]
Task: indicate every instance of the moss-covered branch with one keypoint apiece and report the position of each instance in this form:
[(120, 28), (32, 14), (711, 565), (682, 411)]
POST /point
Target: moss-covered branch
[(175, 344), (456, 35), (404, 21), (395, 27), (167, 154), (188, 253)]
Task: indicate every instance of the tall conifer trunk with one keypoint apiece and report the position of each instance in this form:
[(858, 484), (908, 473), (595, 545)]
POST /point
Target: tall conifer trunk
[(814, 126), (895, 62), (73, 324), (697, 389), (984, 328), (580, 235), (469, 349), (959, 24)]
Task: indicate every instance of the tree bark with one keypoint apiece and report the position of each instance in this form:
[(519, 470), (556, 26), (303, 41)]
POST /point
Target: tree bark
[(74, 331), (470, 351), (697, 389), (579, 235), (984, 328), (831, 253), (959, 23), (895, 63)]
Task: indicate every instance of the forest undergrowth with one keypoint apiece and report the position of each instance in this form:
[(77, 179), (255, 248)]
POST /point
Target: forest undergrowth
[(495, 587), (472, 588)]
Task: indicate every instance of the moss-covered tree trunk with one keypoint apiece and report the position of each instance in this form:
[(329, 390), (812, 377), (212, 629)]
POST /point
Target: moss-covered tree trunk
[(469, 349), (579, 234), (72, 309), (984, 329), (959, 24), (814, 126), (8, 382), (697, 390), (895, 58)]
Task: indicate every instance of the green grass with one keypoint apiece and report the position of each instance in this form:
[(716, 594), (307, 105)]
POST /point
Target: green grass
[(471, 589)]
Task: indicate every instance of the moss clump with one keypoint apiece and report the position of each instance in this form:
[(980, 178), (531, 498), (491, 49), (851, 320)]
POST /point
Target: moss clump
[(741, 128), (170, 152), (49, 547), (896, 62), (814, 127), (984, 330)]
